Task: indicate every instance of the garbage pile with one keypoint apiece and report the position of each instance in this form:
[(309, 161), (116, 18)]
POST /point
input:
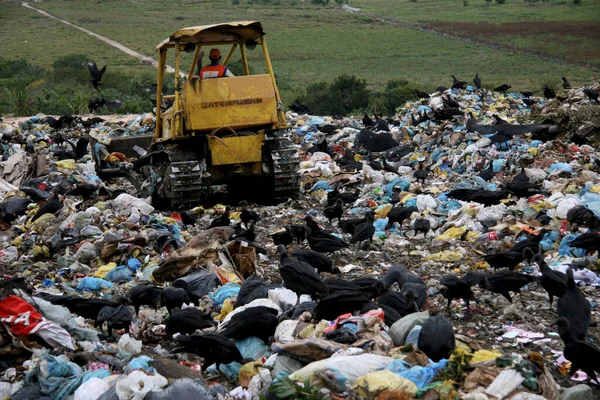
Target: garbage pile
[(449, 251)]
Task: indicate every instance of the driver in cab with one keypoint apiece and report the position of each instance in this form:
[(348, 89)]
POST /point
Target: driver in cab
[(214, 69)]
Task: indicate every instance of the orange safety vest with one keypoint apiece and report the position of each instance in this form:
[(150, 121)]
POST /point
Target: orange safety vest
[(213, 71)]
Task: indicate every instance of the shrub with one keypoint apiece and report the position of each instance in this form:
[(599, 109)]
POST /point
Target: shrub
[(576, 1), (500, 1), (345, 94)]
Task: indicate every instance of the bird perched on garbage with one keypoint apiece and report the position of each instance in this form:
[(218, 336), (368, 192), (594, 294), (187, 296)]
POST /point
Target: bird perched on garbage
[(421, 225), (380, 124), (213, 348), (566, 84), (319, 261), (95, 74), (498, 120), (419, 293), (449, 101), (582, 216), (421, 95), (336, 211), (591, 93), (247, 216), (173, 297), (477, 81), (590, 241), (81, 147), (299, 108), (370, 287), (458, 84), (508, 259), (247, 234), (340, 302), (145, 294), (574, 307), (504, 282), (188, 217), (436, 339), (187, 321), (300, 277), (421, 173), (583, 355), (399, 215), (549, 93), (367, 121), (502, 88), (404, 304), (259, 321), (253, 288), (345, 197), (488, 173), (349, 225), (85, 190), (527, 93), (321, 241), (390, 315), (400, 275), (532, 243), (454, 287), (223, 220), (115, 317), (364, 231), (521, 186), (52, 206), (553, 282)]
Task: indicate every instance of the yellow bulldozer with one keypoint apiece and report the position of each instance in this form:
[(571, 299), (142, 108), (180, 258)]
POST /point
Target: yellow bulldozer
[(220, 131)]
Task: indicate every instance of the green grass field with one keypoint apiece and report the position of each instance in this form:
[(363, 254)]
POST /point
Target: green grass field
[(556, 28), (307, 43)]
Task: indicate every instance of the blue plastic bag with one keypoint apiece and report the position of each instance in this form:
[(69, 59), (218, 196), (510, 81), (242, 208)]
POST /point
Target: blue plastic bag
[(226, 291), (91, 284), (560, 166), (142, 362), (565, 248), (119, 274), (134, 264), (420, 376), (403, 184), (498, 165), (380, 224), (320, 185), (592, 201), (413, 336), (251, 347), (412, 202)]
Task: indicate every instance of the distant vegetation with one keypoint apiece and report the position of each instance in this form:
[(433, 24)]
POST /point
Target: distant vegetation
[(27, 89)]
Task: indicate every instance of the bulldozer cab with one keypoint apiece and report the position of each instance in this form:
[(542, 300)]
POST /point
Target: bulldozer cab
[(208, 106)]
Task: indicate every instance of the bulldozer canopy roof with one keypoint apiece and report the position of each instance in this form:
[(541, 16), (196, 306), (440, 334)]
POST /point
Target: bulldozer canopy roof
[(229, 32)]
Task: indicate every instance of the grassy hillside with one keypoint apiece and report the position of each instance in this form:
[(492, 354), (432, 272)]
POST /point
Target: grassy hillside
[(308, 43)]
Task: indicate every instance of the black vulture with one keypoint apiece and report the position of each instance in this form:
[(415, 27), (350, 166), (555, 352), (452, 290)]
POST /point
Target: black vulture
[(422, 225), (390, 315), (244, 234), (364, 231), (144, 295), (336, 211), (477, 81), (436, 339), (213, 348), (188, 218), (502, 88), (582, 216), (253, 288), (399, 215), (583, 355), (404, 304), (115, 317), (52, 206), (504, 282), (456, 288), (95, 73), (319, 261), (592, 94), (400, 275), (421, 95), (566, 84), (259, 321), (283, 238), (321, 241), (173, 297), (349, 225), (533, 243), (85, 190), (300, 277), (419, 290), (341, 302), (509, 259), (549, 93), (553, 282), (574, 307), (488, 173), (247, 216), (590, 241), (299, 108), (187, 321), (223, 220), (458, 84)]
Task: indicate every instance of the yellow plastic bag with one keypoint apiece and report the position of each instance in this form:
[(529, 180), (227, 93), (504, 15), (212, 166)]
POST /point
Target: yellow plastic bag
[(247, 371), (446, 255), (485, 355), (383, 212), (105, 269), (67, 164), (226, 309), (375, 383), (453, 233)]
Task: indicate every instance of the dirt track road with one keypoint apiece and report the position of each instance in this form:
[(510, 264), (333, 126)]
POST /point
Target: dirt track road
[(127, 50)]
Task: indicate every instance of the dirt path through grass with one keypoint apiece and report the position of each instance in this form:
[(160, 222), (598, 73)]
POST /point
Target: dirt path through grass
[(127, 50), (466, 39)]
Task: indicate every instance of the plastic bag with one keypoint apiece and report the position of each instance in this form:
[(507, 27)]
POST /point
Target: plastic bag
[(139, 363), (426, 202), (560, 167), (401, 328), (565, 248), (129, 345), (592, 201), (9, 254), (92, 389), (378, 383), (197, 284), (283, 297), (119, 274), (86, 253), (91, 231), (343, 368), (125, 202), (137, 385), (419, 375), (93, 284), (182, 389), (226, 291)]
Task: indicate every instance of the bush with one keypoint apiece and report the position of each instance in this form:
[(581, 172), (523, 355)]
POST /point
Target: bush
[(345, 94), (500, 1), (488, 1), (576, 1), (71, 68), (235, 2)]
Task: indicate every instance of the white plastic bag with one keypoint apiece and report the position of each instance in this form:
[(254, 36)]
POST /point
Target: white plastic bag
[(137, 384), (129, 345), (283, 297), (91, 389), (125, 201)]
